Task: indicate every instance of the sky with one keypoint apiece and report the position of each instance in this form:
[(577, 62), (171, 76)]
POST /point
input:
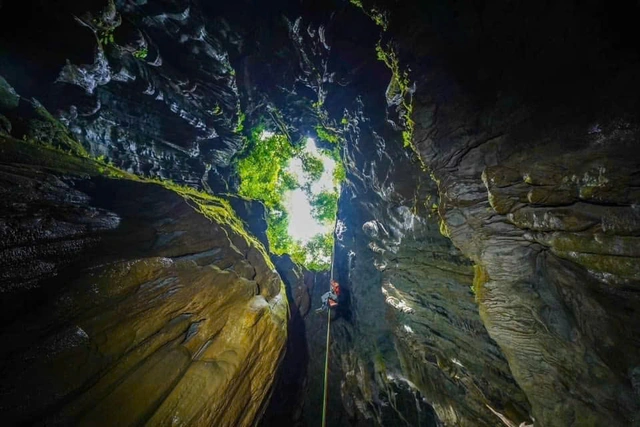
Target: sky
[(302, 226)]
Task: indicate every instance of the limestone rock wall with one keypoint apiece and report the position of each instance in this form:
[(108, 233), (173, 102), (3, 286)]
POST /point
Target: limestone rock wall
[(536, 167), (149, 86), (124, 303), (415, 319)]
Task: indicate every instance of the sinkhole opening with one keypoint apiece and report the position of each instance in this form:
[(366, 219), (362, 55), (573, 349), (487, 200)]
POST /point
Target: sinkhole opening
[(300, 186)]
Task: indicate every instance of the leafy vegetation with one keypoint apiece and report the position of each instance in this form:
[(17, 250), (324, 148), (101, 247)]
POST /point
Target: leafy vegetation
[(400, 86), (379, 17), (261, 172), (339, 174), (216, 110), (312, 166), (264, 176), (327, 135), (240, 126), (141, 53), (319, 250), (324, 207)]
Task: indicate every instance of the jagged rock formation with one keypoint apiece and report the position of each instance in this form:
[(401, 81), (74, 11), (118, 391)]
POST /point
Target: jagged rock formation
[(537, 175), (124, 303), (149, 86), (415, 315)]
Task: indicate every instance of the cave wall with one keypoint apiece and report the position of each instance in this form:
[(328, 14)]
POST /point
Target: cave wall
[(532, 140), (414, 319), (124, 303), (489, 281), (148, 85)]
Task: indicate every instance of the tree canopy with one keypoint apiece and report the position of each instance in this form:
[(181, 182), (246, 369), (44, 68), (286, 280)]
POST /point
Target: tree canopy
[(324, 207), (264, 176)]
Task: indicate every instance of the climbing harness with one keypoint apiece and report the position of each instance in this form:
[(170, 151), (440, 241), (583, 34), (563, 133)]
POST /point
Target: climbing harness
[(326, 359)]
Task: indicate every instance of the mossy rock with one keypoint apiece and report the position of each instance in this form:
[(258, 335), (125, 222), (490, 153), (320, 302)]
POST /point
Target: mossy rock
[(130, 301)]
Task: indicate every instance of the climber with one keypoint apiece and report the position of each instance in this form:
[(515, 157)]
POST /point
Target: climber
[(330, 299)]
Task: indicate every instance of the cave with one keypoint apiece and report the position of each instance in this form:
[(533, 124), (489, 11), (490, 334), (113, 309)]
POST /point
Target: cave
[(181, 181)]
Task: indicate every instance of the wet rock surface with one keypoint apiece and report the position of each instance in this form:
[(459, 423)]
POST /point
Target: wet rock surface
[(415, 321), (123, 305), (536, 175), (489, 276), (148, 86)]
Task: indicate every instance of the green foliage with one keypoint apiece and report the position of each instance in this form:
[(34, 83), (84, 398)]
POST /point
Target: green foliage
[(327, 135), (339, 174), (400, 86), (315, 255), (260, 172), (319, 250), (324, 207), (380, 18), (278, 233), (312, 166), (289, 182), (263, 176), (105, 37), (217, 110), (240, 126), (141, 53)]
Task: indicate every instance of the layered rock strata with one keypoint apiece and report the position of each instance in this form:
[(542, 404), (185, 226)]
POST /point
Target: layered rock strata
[(127, 303)]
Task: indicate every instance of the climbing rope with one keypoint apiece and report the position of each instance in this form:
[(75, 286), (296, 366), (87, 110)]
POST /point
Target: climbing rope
[(326, 358)]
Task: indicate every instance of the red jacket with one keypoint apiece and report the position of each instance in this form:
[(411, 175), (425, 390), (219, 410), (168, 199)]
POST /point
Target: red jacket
[(335, 287)]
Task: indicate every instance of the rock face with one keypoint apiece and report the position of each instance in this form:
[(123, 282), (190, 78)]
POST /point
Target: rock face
[(415, 321), (148, 86), (537, 176), (124, 303), (490, 274)]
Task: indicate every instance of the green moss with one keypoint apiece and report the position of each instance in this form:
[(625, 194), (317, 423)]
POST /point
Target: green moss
[(47, 130), (379, 364), (400, 85), (379, 17), (621, 266), (216, 110), (327, 135), (33, 152), (240, 126), (29, 151), (595, 244), (141, 53), (444, 230)]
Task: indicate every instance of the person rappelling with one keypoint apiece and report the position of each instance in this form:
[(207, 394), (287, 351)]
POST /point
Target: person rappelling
[(330, 299)]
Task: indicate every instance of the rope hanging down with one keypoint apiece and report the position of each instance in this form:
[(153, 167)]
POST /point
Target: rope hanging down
[(326, 359)]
